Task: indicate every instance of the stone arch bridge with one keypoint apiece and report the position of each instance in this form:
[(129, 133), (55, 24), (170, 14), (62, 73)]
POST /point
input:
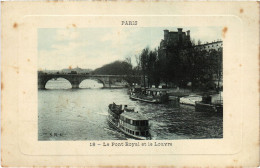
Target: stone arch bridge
[(76, 79)]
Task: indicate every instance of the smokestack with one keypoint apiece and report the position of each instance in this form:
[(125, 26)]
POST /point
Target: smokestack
[(179, 30), (180, 34), (166, 32), (188, 35)]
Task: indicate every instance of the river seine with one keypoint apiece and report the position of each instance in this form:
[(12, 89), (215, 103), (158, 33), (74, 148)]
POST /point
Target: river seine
[(80, 114)]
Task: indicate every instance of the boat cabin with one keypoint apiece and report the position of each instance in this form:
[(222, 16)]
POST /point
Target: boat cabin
[(136, 89), (212, 98), (134, 123), (156, 92)]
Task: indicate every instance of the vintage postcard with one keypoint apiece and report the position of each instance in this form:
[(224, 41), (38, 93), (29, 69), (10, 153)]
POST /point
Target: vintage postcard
[(130, 84)]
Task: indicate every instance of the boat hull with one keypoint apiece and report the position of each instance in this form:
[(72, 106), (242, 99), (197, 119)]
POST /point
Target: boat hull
[(204, 107), (130, 135), (144, 100), (190, 100)]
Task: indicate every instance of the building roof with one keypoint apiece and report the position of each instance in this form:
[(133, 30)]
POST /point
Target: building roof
[(172, 32), (208, 43), (133, 115)]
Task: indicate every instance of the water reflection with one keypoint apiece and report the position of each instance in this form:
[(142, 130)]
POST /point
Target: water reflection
[(88, 83), (58, 83), (61, 83)]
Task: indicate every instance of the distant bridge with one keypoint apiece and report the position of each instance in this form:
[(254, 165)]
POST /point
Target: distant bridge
[(76, 79)]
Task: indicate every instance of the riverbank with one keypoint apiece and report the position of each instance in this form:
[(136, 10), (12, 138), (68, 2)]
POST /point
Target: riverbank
[(179, 92)]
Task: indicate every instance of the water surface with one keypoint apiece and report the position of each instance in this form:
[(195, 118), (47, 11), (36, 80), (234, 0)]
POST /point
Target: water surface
[(80, 114)]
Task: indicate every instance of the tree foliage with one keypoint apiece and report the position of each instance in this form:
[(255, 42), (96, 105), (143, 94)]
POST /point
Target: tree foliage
[(174, 66), (179, 67), (114, 68)]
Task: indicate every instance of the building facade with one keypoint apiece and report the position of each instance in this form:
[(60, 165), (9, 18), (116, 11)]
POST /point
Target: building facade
[(175, 39), (216, 45), (180, 41)]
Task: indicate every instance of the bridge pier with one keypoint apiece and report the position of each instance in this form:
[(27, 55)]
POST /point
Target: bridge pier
[(41, 86), (75, 86), (106, 85), (74, 83), (41, 82)]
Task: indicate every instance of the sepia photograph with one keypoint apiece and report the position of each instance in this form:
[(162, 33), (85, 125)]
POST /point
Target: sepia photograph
[(128, 83), (142, 83)]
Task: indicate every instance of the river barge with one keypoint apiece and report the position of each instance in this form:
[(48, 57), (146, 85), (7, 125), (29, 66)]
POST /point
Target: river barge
[(151, 95), (126, 120), (190, 100), (210, 103)]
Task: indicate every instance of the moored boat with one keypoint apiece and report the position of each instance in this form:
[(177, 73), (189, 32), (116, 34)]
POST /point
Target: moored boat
[(190, 100), (152, 95), (128, 121), (210, 103)]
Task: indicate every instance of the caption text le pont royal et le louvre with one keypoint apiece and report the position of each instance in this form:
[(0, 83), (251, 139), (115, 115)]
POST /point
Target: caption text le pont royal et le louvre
[(131, 144)]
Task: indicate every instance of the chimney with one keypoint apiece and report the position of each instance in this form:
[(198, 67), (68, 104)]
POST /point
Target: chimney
[(180, 34), (188, 35), (179, 30), (166, 32)]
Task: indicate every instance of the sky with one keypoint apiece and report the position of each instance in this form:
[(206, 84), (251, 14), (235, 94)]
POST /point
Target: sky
[(91, 48)]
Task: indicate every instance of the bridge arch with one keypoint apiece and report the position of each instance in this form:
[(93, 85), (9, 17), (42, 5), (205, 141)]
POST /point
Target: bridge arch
[(58, 83), (90, 79)]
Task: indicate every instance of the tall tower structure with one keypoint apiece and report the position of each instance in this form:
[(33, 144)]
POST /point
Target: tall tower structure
[(166, 34), (180, 35), (188, 35)]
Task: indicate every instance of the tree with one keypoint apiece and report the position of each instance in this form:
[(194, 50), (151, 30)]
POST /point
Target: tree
[(199, 42), (144, 63), (114, 68), (179, 66), (138, 67), (215, 63), (151, 68), (128, 59), (193, 42), (129, 69)]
